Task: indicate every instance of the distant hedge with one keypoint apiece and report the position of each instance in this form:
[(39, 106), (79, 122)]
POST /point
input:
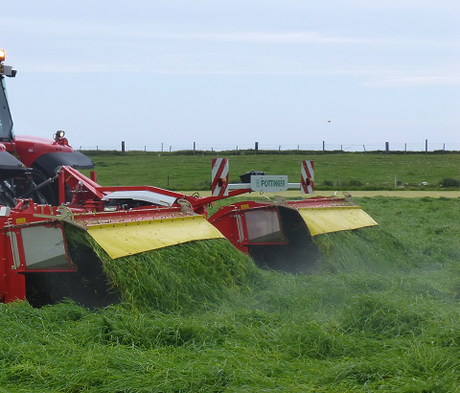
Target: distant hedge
[(449, 182)]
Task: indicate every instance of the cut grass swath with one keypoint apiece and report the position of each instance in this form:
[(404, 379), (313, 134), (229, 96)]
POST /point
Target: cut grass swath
[(178, 278), (362, 249)]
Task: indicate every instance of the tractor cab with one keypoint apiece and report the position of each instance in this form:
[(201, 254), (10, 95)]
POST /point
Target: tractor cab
[(42, 157)]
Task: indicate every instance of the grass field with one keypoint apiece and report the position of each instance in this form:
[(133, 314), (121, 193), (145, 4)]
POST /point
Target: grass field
[(380, 312), (347, 171)]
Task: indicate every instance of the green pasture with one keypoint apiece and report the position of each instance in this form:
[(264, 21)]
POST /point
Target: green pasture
[(379, 313), (334, 171)]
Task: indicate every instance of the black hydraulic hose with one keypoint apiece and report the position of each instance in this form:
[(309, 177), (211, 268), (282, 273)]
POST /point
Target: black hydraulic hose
[(37, 187), (14, 148)]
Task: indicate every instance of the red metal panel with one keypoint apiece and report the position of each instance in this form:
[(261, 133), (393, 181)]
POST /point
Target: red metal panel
[(3, 262), (12, 284)]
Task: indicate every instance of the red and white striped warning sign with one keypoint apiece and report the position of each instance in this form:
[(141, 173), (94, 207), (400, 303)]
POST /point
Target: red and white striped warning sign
[(307, 183), (219, 185)]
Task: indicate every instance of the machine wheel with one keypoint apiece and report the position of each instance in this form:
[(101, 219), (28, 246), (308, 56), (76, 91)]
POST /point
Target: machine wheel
[(48, 193)]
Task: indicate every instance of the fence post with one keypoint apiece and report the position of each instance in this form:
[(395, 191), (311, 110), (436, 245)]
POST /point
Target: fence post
[(122, 148), (426, 145)]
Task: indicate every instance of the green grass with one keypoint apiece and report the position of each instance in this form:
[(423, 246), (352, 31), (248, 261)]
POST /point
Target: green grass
[(340, 171), (381, 312), (183, 279)]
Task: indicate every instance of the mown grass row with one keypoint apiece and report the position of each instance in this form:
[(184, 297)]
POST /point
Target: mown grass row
[(380, 313), (337, 341)]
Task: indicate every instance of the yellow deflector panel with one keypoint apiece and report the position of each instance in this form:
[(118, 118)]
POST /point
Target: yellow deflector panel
[(122, 239), (334, 219)]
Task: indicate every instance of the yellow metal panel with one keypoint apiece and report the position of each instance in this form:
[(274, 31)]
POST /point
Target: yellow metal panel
[(122, 239), (335, 219)]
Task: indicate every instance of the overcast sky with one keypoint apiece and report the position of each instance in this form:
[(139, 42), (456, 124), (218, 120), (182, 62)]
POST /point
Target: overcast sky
[(227, 73)]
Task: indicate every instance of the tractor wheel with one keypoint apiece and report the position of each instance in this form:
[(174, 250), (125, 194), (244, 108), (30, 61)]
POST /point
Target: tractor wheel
[(48, 193)]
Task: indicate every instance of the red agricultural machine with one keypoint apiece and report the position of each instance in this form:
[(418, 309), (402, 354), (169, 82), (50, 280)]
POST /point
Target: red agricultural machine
[(36, 262), (278, 233), (39, 262)]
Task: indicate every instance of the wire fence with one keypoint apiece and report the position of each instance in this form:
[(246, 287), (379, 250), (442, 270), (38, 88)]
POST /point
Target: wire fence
[(423, 146)]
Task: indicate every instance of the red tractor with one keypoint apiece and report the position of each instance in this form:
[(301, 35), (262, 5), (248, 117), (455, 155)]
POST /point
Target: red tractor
[(28, 164)]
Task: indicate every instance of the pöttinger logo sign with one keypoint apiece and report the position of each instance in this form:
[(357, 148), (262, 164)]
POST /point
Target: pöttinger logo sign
[(268, 183)]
